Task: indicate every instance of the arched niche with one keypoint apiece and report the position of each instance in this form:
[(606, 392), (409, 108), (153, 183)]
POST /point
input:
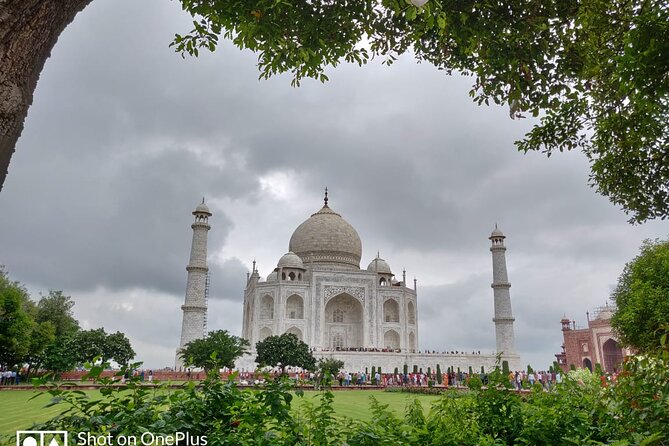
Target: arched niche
[(344, 322), (411, 310), (412, 342), (265, 332), (391, 311), (267, 307), (391, 339), (295, 307), (587, 364), (296, 331)]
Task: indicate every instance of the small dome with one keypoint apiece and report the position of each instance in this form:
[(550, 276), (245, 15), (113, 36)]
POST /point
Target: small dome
[(290, 260), (605, 314), (202, 209), (497, 233), (273, 277), (378, 265)]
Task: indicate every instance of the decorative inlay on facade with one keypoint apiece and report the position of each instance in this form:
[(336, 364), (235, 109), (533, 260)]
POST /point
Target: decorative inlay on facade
[(331, 291)]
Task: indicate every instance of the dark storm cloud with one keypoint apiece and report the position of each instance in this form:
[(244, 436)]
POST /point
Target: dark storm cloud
[(228, 280), (118, 227)]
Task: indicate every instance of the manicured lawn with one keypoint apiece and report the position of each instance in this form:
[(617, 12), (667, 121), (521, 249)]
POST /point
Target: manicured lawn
[(19, 412), (355, 404)]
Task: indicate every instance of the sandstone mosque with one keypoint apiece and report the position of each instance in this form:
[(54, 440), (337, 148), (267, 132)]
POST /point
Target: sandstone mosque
[(319, 292)]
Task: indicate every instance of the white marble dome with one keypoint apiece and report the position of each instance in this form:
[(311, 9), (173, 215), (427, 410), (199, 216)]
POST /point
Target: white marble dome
[(290, 260), (326, 237), (605, 313), (202, 209), (379, 265)]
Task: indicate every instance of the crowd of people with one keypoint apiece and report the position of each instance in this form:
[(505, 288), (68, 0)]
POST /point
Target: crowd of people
[(10, 377), (347, 378), (521, 379), (392, 350)]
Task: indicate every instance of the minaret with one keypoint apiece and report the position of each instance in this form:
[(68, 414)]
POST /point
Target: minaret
[(195, 305), (500, 284)]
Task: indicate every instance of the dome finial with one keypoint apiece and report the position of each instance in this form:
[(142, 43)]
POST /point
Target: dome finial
[(326, 196), (202, 199)]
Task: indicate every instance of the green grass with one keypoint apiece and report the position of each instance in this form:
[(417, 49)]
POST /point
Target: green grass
[(355, 404), (19, 411)]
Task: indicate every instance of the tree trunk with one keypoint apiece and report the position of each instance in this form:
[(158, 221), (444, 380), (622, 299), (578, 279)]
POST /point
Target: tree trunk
[(29, 30)]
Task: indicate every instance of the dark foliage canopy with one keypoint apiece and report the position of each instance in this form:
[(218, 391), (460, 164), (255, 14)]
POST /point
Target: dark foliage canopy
[(219, 349), (283, 351), (642, 297), (595, 72)]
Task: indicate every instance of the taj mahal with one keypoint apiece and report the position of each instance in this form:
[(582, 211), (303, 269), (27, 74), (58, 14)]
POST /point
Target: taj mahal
[(319, 292)]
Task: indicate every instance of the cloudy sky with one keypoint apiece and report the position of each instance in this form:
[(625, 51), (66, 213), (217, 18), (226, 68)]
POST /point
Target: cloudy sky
[(125, 137)]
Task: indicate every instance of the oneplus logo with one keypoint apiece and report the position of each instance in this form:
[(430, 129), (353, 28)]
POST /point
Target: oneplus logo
[(41, 438)]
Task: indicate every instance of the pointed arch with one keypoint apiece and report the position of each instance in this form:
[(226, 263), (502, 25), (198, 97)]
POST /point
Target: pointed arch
[(412, 342), (411, 313), (587, 364), (296, 331), (267, 307), (344, 317), (391, 311), (265, 332), (613, 355), (391, 340), (295, 307)]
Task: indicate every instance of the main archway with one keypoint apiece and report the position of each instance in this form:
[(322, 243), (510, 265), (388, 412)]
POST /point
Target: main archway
[(343, 322)]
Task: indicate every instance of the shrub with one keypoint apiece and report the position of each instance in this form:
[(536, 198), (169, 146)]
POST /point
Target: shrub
[(638, 400), (475, 382)]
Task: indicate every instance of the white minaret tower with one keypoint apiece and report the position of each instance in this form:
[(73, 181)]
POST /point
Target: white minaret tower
[(195, 305), (500, 284)]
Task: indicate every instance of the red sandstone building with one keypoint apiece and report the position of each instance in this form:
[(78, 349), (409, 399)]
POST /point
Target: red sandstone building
[(596, 344)]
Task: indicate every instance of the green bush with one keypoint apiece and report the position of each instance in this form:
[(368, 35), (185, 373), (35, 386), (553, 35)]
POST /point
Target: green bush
[(499, 414), (475, 382), (639, 400)]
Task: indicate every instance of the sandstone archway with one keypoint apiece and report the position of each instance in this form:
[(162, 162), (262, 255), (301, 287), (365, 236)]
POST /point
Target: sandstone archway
[(613, 355)]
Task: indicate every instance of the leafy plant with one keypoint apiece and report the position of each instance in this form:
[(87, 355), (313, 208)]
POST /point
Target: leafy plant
[(217, 350)]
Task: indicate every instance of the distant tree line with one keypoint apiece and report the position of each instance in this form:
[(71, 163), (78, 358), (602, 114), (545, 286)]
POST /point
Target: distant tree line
[(45, 336)]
